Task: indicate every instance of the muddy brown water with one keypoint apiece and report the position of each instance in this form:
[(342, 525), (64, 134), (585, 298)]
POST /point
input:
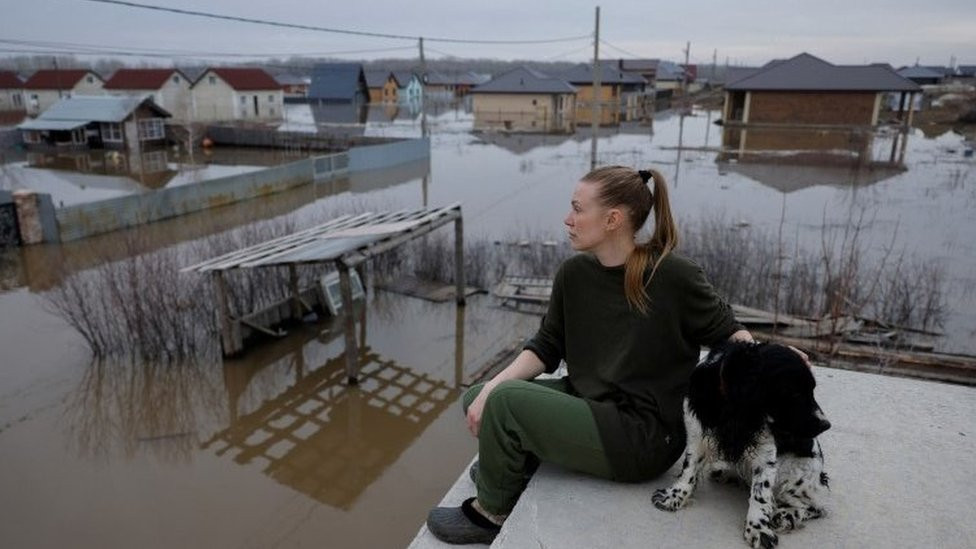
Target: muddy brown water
[(273, 450)]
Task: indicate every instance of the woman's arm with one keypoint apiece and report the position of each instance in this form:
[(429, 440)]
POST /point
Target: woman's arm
[(525, 366)]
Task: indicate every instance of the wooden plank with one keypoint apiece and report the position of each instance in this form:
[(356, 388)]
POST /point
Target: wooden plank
[(824, 327)]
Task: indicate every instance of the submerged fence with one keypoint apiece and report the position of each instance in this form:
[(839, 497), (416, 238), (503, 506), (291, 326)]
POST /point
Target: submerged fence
[(83, 220)]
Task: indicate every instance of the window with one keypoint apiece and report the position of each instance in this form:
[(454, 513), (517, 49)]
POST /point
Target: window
[(32, 137), (212, 80), (176, 79), (90, 79), (151, 128), (535, 102), (243, 100), (271, 99), (272, 111), (17, 100), (112, 132)]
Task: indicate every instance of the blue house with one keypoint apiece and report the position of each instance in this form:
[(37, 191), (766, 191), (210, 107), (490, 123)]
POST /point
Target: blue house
[(338, 83), (411, 88)]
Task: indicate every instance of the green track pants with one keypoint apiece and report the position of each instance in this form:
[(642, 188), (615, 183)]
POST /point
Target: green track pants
[(525, 422)]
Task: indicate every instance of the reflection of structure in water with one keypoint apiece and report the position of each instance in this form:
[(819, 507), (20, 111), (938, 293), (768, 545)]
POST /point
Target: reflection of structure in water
[(150, 168), (786, 178), (330, 440), (852, 147), (340, 119)]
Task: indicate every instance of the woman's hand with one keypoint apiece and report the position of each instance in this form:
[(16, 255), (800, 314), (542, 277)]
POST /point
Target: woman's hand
[(477, 407), (803, 355)]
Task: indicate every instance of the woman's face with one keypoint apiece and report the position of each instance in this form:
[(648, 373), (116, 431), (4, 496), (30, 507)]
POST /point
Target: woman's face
[(587, 219)]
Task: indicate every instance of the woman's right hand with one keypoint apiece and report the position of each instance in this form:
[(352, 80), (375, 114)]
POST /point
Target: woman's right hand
[(477, 407)]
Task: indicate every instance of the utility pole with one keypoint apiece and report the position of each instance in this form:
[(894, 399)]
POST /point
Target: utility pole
[(595, 113), (423, 90), (684, 81), (714, 62)]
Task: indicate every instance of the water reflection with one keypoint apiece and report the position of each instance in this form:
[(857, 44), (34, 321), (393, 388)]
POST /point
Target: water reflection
[(796, 145), (149, 169)]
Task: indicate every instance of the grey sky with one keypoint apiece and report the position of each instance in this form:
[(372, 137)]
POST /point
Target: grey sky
[(751, 32)]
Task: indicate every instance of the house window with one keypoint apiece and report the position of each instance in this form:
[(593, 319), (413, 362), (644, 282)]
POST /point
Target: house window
[(271, 99), (151, 128), (32, 137), (90, 79), (78, 136), (272, 111), (176, 79), (535, 102), (112, 132), (212, 80), (17, 101), (243, 100)]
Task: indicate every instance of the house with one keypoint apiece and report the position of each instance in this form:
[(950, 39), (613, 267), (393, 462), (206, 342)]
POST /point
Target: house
[(921, 75), (338, 83), (11, 92), (169, 89), (238, 94), (806, 90), (295, 87), (669, 76), (621, 93), (646, 68), (411, 87), (383, 86), (524, 100), (447, 87), (48, 86), (130, 123)]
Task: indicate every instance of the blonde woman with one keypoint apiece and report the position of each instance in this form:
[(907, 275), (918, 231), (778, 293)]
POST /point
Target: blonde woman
[(629, 319)]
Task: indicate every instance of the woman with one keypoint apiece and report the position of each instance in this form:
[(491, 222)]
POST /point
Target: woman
[(628, 318)]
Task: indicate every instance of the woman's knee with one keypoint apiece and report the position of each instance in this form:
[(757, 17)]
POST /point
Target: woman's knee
[(508, 392)]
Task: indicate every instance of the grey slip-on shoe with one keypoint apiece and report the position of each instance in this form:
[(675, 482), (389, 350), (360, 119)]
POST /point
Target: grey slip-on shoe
[(461, 525)]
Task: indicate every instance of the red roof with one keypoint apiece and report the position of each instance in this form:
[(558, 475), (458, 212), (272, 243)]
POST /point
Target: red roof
[(246, 79), (10, 80), (140, 79), (51, 79)]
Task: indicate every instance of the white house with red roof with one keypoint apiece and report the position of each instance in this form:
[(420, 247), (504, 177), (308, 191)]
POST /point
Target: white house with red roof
[(48, 86), (169, 88), (11, 92), (238, 94)]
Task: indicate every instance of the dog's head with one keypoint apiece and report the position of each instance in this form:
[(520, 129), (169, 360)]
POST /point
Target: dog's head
[(773, 380)]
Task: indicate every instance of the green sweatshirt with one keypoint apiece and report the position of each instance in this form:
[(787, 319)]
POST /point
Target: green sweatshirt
[(632, 369)]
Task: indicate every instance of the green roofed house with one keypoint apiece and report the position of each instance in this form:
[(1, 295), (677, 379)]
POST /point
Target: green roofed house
[(129, 123), (524, 100)]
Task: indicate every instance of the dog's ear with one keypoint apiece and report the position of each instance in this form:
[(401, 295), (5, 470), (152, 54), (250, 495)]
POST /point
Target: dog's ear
[(742, 375)]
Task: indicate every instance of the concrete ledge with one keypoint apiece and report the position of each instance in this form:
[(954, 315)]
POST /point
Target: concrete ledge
[(901, 457)]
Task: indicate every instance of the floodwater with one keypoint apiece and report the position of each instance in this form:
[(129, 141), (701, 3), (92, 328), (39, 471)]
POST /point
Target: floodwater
[(78, 177), (272, 450)]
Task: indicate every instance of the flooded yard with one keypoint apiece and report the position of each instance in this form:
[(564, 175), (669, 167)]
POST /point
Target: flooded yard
[(273, 450)]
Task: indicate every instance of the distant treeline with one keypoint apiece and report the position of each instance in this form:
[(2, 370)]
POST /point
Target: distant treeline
[(300, 66)]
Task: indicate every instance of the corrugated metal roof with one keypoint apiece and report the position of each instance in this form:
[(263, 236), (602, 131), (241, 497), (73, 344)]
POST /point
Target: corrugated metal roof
[(95, 108), (340, 82), (609, 74), (329, 241), (60, 79), (525, 80), (40, 124), (808, 73)]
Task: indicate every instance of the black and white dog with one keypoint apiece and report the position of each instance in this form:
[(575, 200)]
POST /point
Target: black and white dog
[(750, 414)]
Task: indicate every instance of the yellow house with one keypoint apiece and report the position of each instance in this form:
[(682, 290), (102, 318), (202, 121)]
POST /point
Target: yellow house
[(383, 86), (524, 100), (621, 94)]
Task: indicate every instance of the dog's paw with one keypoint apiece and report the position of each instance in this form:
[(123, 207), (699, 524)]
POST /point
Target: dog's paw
[(760, 536), (785, 520), (670, 499)]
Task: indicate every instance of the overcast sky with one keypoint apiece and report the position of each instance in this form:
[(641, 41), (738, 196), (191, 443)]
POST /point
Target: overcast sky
[(749, 32)]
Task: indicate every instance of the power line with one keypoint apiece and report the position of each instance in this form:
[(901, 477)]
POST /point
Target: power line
[(327, 29), (70, 48), (621, 50)]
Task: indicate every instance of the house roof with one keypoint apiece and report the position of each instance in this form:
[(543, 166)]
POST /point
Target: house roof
[(10, 80), (639, 64), (243, 79), (376, 78), (79, 110), (609, 74), (403, 77), (454, 79), (734, 74), (55, 79), (805, 72), (336, 81), (966, 70), (524, 80), (919, 72), (667, 70), (292, 80), (140, 79)]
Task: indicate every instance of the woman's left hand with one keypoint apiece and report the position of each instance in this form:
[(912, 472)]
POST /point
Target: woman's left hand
[(803, 355)]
